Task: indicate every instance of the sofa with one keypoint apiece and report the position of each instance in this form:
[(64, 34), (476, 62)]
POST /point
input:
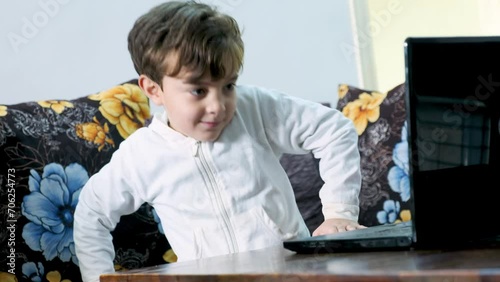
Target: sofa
[(50, 148)]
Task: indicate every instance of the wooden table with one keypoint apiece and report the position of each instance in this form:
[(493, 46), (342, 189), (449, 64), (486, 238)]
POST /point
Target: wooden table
[(278, 264)]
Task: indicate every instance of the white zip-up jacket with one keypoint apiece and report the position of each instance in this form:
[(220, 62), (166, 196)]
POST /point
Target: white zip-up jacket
[(221, 197)]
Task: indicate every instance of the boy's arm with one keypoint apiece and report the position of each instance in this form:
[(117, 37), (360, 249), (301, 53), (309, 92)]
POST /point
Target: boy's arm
[(340, 169), (104, 198), (299, 126)]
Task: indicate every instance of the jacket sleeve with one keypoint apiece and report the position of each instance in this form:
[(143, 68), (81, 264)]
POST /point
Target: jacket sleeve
[(298, 126), (103, 200)]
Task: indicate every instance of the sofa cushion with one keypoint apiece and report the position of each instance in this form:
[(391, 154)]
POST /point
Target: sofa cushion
[(379, 119), (303, 172), (49, 149)]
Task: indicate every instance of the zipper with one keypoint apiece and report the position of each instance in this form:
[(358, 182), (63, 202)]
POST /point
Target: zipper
[(197, 151), (195, 148)]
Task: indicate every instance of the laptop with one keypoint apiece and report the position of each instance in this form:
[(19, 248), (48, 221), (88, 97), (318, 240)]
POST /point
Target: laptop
[(453, 110)]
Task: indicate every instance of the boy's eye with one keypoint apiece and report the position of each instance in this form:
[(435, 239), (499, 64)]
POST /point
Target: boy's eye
[(197, 92), (230, 86)]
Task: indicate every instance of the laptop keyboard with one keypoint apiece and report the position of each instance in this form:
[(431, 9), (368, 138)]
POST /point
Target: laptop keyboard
[(379, 231)]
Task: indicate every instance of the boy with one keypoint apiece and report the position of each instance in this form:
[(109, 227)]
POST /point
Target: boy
[(209, 164)]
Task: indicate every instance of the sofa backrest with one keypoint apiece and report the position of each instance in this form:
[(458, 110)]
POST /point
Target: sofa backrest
[(48, 149), (380, 119)]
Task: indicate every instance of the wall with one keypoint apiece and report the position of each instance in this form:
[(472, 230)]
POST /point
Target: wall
[(66, 48), (383, 26)]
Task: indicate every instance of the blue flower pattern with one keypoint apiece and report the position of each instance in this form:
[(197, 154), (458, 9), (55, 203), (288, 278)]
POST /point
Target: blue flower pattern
[(397, 177), (390, 212), (50, 207), (157, 220), (33, 272), (399, 181)]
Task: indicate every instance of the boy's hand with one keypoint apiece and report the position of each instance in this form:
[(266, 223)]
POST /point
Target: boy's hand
[(334, 225)]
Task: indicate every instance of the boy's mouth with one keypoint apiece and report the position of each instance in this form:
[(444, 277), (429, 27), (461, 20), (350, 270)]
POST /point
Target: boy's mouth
[(211, 124)]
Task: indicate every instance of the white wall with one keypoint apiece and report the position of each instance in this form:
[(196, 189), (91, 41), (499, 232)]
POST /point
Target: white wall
[(63, 49), (385, 24)]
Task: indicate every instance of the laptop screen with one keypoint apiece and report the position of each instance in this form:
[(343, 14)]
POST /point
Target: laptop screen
[(453, 107), (455, 84)]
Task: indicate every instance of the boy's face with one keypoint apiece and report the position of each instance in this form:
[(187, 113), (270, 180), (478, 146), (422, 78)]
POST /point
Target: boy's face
[(200, 109)]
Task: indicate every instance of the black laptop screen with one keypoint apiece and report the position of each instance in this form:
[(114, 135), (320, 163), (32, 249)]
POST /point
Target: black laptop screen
[(453, 90), (455, 86)]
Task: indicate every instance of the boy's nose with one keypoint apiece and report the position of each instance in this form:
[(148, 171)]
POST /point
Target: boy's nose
[(216, 103)]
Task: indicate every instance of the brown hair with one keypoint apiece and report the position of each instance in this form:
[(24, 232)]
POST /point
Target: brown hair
[(199, 37)]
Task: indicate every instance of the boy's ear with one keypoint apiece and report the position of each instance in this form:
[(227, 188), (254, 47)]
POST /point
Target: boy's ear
[(151, 89)]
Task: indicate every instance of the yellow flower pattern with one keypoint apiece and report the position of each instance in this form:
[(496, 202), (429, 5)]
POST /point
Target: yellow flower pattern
[(3, 111), (124, 106), (170, 256), (118, 267), (363, 110), (405, 215), (343, 89), (55, 276), (7, 277), (94, 132), (55, 105)]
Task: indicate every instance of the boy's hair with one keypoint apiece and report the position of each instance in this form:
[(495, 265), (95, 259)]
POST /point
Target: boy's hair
[(191, 35)]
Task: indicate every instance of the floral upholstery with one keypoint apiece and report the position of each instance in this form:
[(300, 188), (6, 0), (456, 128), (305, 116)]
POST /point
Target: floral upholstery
[(49, 149), (379, 119)]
